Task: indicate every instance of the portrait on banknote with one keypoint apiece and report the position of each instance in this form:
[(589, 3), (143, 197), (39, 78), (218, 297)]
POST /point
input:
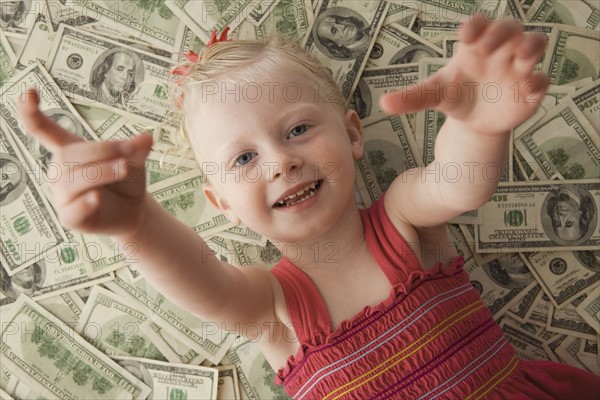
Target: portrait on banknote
[(509, 271), (570, 215), (27, 281), (341, 33), (12, 179), (13, 13), (589, 259), (412, 54), (115, 75)]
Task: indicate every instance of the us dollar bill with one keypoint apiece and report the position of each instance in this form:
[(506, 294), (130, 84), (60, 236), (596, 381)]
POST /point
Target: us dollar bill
[(563, 144), (97, 71), (8, 60), (182, 197), (501, 282), (587, 100), (173, 380), (229, 387), (572, 54), (565, 275), (389, 150), (397, 45), (289, 18), (582, 13), (527, 339), (206, 339), (28, 223), (263, 10), (66, 306), (589, 309), (112, 325), (549, 215), (254, 372), (57, 362), (202, 17), (522, 309), (152, 22), (342, 37), (456, 10), (568, 321), (168, 344)]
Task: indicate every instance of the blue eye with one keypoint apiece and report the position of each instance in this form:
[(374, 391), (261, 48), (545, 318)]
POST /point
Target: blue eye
[(299, 130), (244, 158)]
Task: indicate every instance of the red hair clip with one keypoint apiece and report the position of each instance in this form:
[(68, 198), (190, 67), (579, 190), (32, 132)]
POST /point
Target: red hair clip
[(193, 57)]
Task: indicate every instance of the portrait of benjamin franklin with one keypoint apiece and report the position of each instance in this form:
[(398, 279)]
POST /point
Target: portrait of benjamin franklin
[(115, 76), (569, 215), (13, 179), (13, 13), (28, 280), (341, 33), (509, 271)]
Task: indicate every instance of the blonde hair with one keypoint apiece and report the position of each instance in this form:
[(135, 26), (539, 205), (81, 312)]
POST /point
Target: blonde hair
[(243, 61)]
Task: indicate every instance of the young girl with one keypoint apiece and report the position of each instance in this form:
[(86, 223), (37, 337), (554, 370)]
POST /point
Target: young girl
[(392, 313)]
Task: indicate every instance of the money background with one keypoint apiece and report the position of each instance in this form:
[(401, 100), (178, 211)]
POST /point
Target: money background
[(115, 336)]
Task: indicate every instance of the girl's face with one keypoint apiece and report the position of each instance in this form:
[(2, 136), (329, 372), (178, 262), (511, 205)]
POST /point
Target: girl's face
[(261, 142)]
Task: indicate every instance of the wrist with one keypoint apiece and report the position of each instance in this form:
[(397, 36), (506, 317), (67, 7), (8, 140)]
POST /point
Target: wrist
[(147, 213)]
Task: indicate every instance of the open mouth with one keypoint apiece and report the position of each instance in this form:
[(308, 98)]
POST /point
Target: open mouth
[(302, 195)]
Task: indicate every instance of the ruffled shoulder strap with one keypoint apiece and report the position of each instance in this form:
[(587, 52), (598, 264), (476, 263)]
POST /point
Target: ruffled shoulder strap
[(307, 310), (388, 247)]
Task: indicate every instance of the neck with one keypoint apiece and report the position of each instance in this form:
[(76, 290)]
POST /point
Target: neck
[(341, 246)]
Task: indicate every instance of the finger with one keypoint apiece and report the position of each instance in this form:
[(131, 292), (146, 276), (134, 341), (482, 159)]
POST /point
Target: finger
[(135, 173), (84, 178), (421, 95), (470, 31), (535, 89), (86, 151), (529, 53), (80, 213), (52, 135), (496, 35)]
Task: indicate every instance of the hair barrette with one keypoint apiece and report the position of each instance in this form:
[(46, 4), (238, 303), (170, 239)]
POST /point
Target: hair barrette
[(193, 57)]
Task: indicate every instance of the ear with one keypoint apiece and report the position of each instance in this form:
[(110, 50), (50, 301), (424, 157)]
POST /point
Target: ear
[(219, 202), (356, 133)]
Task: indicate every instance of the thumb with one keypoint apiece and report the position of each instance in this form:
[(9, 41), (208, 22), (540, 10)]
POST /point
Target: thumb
[(416, 97), (140, 147)]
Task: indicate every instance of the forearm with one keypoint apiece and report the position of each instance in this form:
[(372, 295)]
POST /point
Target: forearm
[(467, 165), (177, 262)]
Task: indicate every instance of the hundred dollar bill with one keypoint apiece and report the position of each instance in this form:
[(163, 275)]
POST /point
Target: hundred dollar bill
[(252, 255), (568, 349), (99, 119), (587, 100), (524, 307), (173, 380), (229, 388), (8, 60), (67, 307), (400, 15), (527, 339), (581, 13), (433, 29), (565, 275), (202, 17), (457, 10), (397, 45), (290, 18), (28, 224), (535, 216), (101, 72), (38, 44), (182, 197), (551, 345), (568, 321), (390, 149), (187, 42), (541, 311), (17, 17), (5, 396), (257, 378), (63, 268), (152, 21), (588, 355), (573, 54), (562, 144), (375, 82), (59, 363), (501, 282), (263, 10), (243, 234), (468, 232), (206, 339), (342, 37), (168, 344), (113, 326), (589, 309)]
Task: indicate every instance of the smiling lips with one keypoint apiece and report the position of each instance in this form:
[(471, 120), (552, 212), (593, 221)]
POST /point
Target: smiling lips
[(303, 194)]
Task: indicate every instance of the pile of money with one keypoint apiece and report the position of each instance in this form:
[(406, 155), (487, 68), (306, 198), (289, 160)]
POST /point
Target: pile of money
[(533, 251)]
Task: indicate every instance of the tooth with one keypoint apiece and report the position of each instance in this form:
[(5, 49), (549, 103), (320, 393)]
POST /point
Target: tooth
[(313, 185), (300, 192), (291, 196)]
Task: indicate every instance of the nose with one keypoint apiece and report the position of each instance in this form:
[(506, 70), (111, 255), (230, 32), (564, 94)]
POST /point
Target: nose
[(285, 164)]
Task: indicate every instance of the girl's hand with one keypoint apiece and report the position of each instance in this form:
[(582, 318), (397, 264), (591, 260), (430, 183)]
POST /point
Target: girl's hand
[(101, 185), (489, 85)]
